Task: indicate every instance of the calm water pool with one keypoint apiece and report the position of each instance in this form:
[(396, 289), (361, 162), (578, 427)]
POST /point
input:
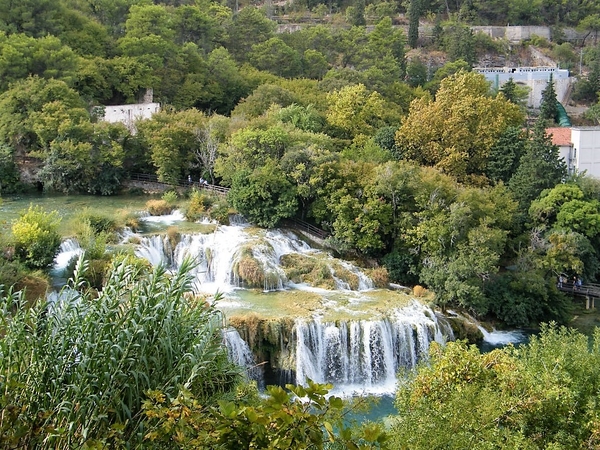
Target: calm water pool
[(68, 206)]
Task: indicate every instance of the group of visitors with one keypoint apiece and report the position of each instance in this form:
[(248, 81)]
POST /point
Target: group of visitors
[(202, 181), (563, 281)]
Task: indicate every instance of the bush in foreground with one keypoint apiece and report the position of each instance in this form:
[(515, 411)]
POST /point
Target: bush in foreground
[(75, 372)]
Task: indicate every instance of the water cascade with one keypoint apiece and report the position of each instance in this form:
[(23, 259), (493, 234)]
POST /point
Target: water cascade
[(366, 355), (307, 314)]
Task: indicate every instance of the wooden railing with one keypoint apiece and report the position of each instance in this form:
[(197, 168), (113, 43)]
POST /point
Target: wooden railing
[(149, 178), (309, 228)]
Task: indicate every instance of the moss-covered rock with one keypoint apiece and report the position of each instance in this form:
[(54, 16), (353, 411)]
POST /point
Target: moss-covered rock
[(464, 329)]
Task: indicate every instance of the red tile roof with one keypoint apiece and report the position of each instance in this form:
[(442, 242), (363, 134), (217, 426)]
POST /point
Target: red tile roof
[(560, 136)]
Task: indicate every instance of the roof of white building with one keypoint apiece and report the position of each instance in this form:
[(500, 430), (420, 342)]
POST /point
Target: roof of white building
[(561, 136)]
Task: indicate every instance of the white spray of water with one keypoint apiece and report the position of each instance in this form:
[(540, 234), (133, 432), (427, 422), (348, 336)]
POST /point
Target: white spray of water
[(365, 355)]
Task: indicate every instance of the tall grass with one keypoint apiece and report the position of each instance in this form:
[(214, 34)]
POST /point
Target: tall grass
[(75, 372)]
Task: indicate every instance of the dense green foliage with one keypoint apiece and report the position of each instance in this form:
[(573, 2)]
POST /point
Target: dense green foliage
[(36, 238), (540, 395), (75, 370), (405, 160)]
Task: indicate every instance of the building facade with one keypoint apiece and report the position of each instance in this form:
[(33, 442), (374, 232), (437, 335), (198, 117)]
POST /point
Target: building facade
[(535, 78), (579, 147)]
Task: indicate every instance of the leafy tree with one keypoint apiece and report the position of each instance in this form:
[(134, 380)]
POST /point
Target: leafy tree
[(248, 27), (276, 57), (9, 174), (539, 395), (456, 131), (264, 196), (206, 150), (445, 71), (548, 106), (539, 168), (385, 40), (262, 98), (505, 155), (305, 118), (20, 104), (34, 18), (416, 72), (222, 87), (24, 56), (172, 138), (36, 237), (514, 93), (459, 43), (462, 245), (355, 14), (356, 111), (591, 24), (314, 64), (192, 23)]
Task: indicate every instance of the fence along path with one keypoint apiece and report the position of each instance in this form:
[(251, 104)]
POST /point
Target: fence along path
[(220, 190), (147, 178), (590, 291)]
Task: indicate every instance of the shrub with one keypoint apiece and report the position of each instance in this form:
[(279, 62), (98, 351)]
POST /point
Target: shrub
[(130, 220), (170, 197), (174, 236), (99, 222), (250, 271), (220, 212), (158, 207), (199, 203), (419, 291), (380, 277), (76, 372), (36, 237)]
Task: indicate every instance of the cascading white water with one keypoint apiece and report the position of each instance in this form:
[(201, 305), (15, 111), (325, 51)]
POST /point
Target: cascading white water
[(356, 355), (217, 253), (155, 249), (68, 250), (239, 352), (366, 355)]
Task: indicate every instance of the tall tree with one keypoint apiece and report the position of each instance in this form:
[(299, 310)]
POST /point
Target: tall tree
[(414, 13), (548, 106), (540, 168), (456, 131)]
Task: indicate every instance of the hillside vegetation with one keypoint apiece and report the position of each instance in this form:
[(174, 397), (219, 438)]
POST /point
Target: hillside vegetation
[(407, 160)]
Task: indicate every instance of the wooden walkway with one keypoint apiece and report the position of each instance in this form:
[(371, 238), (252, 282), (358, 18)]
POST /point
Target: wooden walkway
[(222, 191), (147, 178), (590, 291)]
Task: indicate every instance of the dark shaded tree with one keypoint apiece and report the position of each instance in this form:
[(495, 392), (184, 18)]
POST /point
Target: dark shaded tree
[(540, 168), (414, 13), (505, 155), (548, 106)]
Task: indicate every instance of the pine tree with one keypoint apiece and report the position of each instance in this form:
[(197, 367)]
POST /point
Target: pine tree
[(509, 89), (540, 168), (414, 13), (548, 106)]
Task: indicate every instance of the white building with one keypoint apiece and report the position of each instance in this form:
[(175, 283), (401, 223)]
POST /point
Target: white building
[(535, 78), (579, 147), (130, 114)]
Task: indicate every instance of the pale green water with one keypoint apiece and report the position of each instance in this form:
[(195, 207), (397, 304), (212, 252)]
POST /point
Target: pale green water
[(68, 206)]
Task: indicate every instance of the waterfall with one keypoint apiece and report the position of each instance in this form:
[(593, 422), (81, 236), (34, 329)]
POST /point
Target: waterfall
[(156, 249), (239, 352), (363, 352), (68, 249), (217, 255), (365, 355)]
